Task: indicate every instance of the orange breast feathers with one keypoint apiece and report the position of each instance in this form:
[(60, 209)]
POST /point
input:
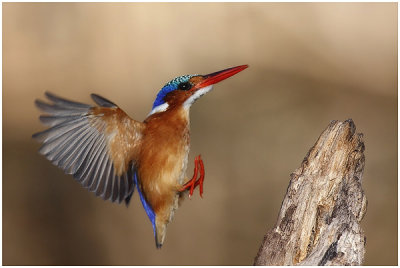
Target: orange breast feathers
[(163, 157)]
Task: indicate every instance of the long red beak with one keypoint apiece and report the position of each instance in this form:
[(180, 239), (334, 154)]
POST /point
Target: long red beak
[(213, 78)]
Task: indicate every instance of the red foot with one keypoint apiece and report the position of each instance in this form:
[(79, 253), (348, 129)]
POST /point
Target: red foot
[(193, 183)]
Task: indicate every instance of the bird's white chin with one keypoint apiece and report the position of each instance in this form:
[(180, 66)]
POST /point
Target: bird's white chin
[(196, 95)]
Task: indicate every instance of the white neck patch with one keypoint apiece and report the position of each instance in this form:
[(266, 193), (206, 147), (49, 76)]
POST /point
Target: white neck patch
[(196, 95), (163, 107), (160, 108)]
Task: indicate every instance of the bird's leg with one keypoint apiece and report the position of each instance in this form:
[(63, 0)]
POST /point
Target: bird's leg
[(201, 178), (194, 182), (191, 183)]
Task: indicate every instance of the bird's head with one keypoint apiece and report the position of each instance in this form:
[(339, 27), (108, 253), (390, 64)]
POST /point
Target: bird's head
[(186, 89)]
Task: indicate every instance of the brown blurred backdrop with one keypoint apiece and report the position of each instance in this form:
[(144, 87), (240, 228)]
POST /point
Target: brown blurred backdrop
[(309, 64)]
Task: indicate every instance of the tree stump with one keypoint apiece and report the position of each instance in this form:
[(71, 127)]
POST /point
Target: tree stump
[(319, 220)]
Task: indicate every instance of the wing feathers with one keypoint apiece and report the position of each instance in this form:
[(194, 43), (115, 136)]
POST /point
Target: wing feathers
[(99, 171), (77, 146), (103, 102), (58, 109), (65, 102), (107, 187), (92, 158), (123, 186), (81, 154), (95, 168), (56, 120), (104, 174), (58, 142), (81, 140), (115, 189), (58, 130)]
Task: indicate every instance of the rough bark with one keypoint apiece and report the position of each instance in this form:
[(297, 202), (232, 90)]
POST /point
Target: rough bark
[(319, 221)]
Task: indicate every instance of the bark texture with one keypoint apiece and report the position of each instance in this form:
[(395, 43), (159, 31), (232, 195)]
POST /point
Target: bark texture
[(319, 221)]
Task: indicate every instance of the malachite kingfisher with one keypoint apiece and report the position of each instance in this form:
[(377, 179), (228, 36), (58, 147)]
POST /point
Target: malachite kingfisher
[(110, 154)]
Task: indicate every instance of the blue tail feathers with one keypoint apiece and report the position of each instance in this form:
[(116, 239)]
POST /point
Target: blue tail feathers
[(147, 207)]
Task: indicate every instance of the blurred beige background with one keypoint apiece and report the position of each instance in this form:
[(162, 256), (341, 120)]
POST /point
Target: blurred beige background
[(309, 64)]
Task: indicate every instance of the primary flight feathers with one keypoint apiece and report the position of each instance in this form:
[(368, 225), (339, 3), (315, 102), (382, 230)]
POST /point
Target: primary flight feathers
[(89, 143)]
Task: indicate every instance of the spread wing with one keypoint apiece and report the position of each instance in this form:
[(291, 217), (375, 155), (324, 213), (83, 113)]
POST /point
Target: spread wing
[(97, 144)]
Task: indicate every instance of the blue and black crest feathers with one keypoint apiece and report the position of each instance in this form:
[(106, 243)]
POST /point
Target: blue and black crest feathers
[(170, 86)]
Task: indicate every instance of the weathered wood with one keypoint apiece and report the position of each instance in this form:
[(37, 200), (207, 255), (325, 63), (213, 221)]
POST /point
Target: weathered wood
[(319, 221)]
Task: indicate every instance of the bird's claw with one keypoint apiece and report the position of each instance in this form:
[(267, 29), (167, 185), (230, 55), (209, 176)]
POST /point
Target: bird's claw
[(194, 182)]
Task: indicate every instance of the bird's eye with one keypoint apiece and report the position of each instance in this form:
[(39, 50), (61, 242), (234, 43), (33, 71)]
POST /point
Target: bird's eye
[(185, 86)]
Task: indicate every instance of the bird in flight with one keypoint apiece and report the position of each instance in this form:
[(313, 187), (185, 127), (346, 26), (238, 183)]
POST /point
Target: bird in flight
[(110, 153)]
